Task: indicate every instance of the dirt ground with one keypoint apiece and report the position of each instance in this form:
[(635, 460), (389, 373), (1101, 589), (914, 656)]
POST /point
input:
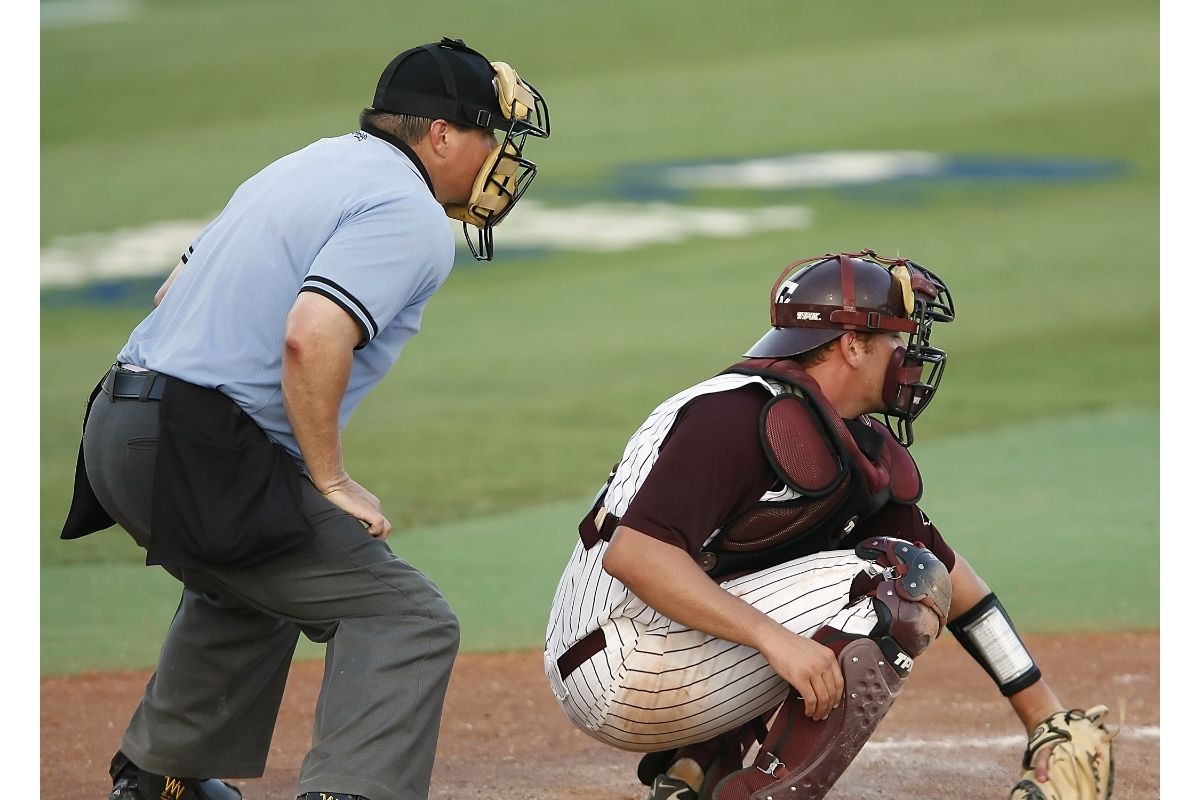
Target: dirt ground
[(950, 734)]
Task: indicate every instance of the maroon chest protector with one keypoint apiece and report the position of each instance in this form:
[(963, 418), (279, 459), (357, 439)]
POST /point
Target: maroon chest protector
[(843, 473)]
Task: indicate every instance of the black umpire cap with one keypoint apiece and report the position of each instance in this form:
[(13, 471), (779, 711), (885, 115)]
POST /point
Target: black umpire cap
[(447, 80)]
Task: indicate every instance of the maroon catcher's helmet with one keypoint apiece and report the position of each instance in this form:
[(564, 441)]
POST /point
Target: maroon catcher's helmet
[(816, 300)]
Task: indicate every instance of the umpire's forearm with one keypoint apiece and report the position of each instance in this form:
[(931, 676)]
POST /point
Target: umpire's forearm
[(316, 371), (312, 392)]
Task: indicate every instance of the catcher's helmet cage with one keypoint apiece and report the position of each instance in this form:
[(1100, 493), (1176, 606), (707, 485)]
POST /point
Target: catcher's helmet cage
[(451, 81), (816, 300)]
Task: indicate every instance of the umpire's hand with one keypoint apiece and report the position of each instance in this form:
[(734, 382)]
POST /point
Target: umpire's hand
[(356, 501)]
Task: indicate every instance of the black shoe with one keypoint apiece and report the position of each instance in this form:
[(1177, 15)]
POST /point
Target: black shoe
[(125, 783), (654, 764), (665, 787), (131, 782), (329, 796)]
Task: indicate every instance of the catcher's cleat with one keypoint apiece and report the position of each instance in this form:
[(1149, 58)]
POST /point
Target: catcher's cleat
[(654, 764), (665, 787), (131, 782)]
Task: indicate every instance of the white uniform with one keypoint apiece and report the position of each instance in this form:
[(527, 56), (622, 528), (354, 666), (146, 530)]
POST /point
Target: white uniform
[(657, 684)]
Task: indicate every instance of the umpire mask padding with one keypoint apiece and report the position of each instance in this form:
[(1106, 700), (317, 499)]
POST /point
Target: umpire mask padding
[(506, 174)]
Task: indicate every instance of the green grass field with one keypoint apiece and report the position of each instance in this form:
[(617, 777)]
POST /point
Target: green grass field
[(502, 417)]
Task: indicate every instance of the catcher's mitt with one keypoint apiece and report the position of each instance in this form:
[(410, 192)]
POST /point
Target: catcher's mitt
[(1081, 765)]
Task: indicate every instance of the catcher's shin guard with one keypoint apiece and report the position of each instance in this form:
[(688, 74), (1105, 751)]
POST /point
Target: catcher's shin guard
[(800, 758)]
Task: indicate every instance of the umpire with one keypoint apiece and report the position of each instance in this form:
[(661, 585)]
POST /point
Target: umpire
[(215, 441)]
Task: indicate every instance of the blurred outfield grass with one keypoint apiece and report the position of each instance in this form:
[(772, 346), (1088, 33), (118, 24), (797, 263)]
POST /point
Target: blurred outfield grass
[(529, 374)]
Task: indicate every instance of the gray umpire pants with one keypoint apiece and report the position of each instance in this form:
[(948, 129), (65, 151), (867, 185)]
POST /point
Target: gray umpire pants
[(209, 709)]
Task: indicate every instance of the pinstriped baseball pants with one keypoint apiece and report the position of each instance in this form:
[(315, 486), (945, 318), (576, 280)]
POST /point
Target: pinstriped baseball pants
[(659, 685)]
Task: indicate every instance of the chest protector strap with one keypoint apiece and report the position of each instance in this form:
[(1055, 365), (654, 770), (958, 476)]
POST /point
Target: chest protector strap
[(841, 472), (792, 449)]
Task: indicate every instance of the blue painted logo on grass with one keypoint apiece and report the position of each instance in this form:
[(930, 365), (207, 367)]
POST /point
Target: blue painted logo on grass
[(645, 205)]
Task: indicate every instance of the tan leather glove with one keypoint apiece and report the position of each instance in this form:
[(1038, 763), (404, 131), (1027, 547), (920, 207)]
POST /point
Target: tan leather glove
[(1081, 764)]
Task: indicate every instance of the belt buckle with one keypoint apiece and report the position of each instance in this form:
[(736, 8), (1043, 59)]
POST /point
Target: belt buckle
[(144, 381), (109, 384)]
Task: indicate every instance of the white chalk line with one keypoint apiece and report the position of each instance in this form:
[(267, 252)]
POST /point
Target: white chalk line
[(988, 742), (69, 13), (152, 250)]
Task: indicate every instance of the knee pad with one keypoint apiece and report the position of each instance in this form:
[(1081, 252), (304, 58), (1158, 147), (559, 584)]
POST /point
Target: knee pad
[(911, 596), (919, 576)]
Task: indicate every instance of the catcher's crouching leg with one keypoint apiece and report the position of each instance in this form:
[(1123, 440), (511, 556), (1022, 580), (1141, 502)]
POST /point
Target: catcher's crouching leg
[(801, 759)]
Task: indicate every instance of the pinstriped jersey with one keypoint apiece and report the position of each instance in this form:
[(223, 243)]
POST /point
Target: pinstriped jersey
[(587, 597), (351, 218)]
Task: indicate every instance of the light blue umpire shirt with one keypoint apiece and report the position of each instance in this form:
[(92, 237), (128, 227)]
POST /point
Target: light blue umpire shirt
[(352, 218)]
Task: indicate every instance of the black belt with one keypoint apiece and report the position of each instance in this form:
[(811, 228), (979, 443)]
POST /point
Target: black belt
[(580, 652), (597, 525), (125, 385)]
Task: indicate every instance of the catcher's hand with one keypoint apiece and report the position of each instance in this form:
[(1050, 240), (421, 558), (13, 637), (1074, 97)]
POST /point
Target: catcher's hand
[(1080, 765)]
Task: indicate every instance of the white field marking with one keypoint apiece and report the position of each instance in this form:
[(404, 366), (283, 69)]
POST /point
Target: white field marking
[(627, 226), (1131, 678), (155, 249), (65, 13), (987, 742), (123, 253), (806, 170)]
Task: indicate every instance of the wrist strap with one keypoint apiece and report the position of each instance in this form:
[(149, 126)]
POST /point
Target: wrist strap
[(987, 633)]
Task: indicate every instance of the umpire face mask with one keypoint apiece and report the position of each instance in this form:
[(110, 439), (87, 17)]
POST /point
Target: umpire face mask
[(449, 80), (506, 173)]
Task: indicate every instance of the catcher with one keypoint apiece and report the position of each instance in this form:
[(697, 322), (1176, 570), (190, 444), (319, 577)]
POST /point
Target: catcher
[(756, 569)]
